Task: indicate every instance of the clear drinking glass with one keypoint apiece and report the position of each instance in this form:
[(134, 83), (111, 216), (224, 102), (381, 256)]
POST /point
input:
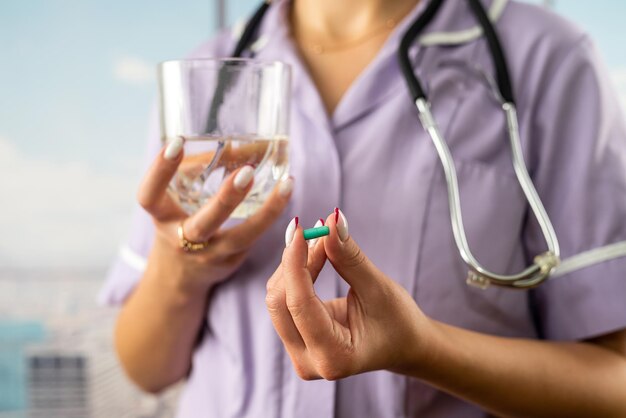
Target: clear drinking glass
[(231, 112)]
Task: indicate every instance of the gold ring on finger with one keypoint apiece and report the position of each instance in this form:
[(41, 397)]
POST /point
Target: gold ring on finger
[(189, 246)]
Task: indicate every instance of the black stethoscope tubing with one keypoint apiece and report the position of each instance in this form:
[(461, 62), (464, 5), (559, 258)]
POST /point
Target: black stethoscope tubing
[(503, 78)]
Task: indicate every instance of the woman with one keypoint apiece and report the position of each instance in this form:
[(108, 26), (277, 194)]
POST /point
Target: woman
[(431, 346)]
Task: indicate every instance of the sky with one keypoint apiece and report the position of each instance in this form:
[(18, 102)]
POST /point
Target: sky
[(77, 87)]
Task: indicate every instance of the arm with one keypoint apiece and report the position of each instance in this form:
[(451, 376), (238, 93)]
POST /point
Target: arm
[(158, 326), (518, 377), (379, 326)]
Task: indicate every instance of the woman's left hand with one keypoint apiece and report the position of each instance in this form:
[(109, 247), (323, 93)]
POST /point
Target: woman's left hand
[(377, 326)]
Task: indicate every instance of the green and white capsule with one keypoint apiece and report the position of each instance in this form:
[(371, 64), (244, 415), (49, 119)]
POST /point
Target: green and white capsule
[(318, 230)]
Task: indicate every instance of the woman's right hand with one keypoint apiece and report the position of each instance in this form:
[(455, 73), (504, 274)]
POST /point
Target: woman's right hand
[(196, 272), (158, 327)]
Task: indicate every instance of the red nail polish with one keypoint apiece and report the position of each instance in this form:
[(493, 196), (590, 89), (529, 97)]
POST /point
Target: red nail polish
[(297, 220), (322, 221), (336, 216)]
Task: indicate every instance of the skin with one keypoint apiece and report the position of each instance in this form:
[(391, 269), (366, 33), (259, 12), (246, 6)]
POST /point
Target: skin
[(159, 323), (336, 23), (378, 326), (230, 157)]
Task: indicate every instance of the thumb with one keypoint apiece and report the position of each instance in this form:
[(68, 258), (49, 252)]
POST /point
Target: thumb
[(298, 256), (296, 252), (347, 258)]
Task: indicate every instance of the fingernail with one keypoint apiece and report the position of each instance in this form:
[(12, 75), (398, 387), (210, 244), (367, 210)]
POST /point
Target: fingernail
[(342, 225), (313, 241), (285, 187), (244, 177), (173, 148), (291, 231)]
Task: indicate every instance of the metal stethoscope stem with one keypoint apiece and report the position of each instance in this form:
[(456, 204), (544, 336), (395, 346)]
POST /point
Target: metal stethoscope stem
[(478, 275)]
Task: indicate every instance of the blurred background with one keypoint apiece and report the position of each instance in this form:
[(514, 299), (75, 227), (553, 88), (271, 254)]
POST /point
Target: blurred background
[(77, 83)]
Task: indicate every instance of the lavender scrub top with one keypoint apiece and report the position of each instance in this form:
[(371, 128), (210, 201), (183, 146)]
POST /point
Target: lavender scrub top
[(372, 159)]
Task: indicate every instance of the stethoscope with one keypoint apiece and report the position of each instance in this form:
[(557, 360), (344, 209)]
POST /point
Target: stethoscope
[(543, 264)]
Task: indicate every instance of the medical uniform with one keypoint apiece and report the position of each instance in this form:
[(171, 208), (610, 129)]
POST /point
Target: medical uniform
[(373, 159)]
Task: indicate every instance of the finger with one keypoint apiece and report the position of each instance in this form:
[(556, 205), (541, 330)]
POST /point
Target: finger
[(191, 162), (252, 152), (229, 156), (212, 215), (309, 314), (347, 258), (317, 254), (275, 300), (152, 194), (241, 237)]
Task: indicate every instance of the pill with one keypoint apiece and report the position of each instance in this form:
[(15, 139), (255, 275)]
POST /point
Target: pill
[(312, 233)]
